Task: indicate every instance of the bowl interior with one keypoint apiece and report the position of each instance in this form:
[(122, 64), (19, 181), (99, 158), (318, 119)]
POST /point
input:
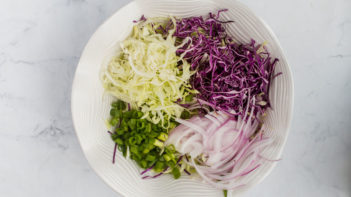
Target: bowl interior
[(90, 105)]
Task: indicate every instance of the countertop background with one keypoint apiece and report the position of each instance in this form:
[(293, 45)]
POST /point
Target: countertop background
[(40, 45)]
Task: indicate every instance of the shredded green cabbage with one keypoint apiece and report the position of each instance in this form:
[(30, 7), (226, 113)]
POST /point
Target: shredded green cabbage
[(148, 74)]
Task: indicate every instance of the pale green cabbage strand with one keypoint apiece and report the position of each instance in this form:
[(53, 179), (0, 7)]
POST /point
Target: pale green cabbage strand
[(145, 73)]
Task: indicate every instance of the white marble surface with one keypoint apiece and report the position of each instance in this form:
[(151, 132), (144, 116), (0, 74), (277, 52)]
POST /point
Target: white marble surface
[(40, 45)]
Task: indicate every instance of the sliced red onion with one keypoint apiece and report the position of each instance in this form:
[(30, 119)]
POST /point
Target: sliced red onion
[(222, 149)]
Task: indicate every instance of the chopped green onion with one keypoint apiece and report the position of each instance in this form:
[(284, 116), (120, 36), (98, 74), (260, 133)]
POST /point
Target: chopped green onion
[(176, 173), (119, 141), (158, 143), (167, 158), (225, 192), (163, 137), (143, 139), (150, 157)]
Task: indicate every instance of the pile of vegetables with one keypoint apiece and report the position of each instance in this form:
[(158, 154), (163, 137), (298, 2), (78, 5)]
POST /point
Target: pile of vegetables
[(222, 150), (227, 72), (144, 140), (190, 99), (148, 74)]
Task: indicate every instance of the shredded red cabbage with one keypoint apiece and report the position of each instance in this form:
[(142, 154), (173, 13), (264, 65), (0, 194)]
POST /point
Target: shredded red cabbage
[(114, 150), (187, 172), (114, 154), (229, 74), (145, 171), (157, 175), (142, 18)]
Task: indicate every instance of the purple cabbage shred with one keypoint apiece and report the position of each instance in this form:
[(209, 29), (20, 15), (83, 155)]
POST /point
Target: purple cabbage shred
[(229, 74)]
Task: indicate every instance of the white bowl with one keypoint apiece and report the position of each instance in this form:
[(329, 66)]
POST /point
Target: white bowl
[(90, 107)]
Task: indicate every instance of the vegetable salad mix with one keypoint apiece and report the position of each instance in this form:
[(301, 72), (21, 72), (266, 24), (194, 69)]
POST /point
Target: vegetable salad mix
[(190, 99)]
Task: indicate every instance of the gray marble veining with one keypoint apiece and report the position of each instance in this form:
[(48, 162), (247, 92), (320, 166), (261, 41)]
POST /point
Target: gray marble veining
[(40, 46)]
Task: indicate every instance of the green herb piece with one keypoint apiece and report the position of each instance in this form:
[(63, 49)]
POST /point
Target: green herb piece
[(114, 121), (159, 166), (119, 141), (176, 173), (167, 158), (132, 141), (132, 123), (225, 193), (120, 131), (143, 164), (120, 105), (134, 149), (189, 98), (185, 115), (163, 137), (150, 157), (158, 143)]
